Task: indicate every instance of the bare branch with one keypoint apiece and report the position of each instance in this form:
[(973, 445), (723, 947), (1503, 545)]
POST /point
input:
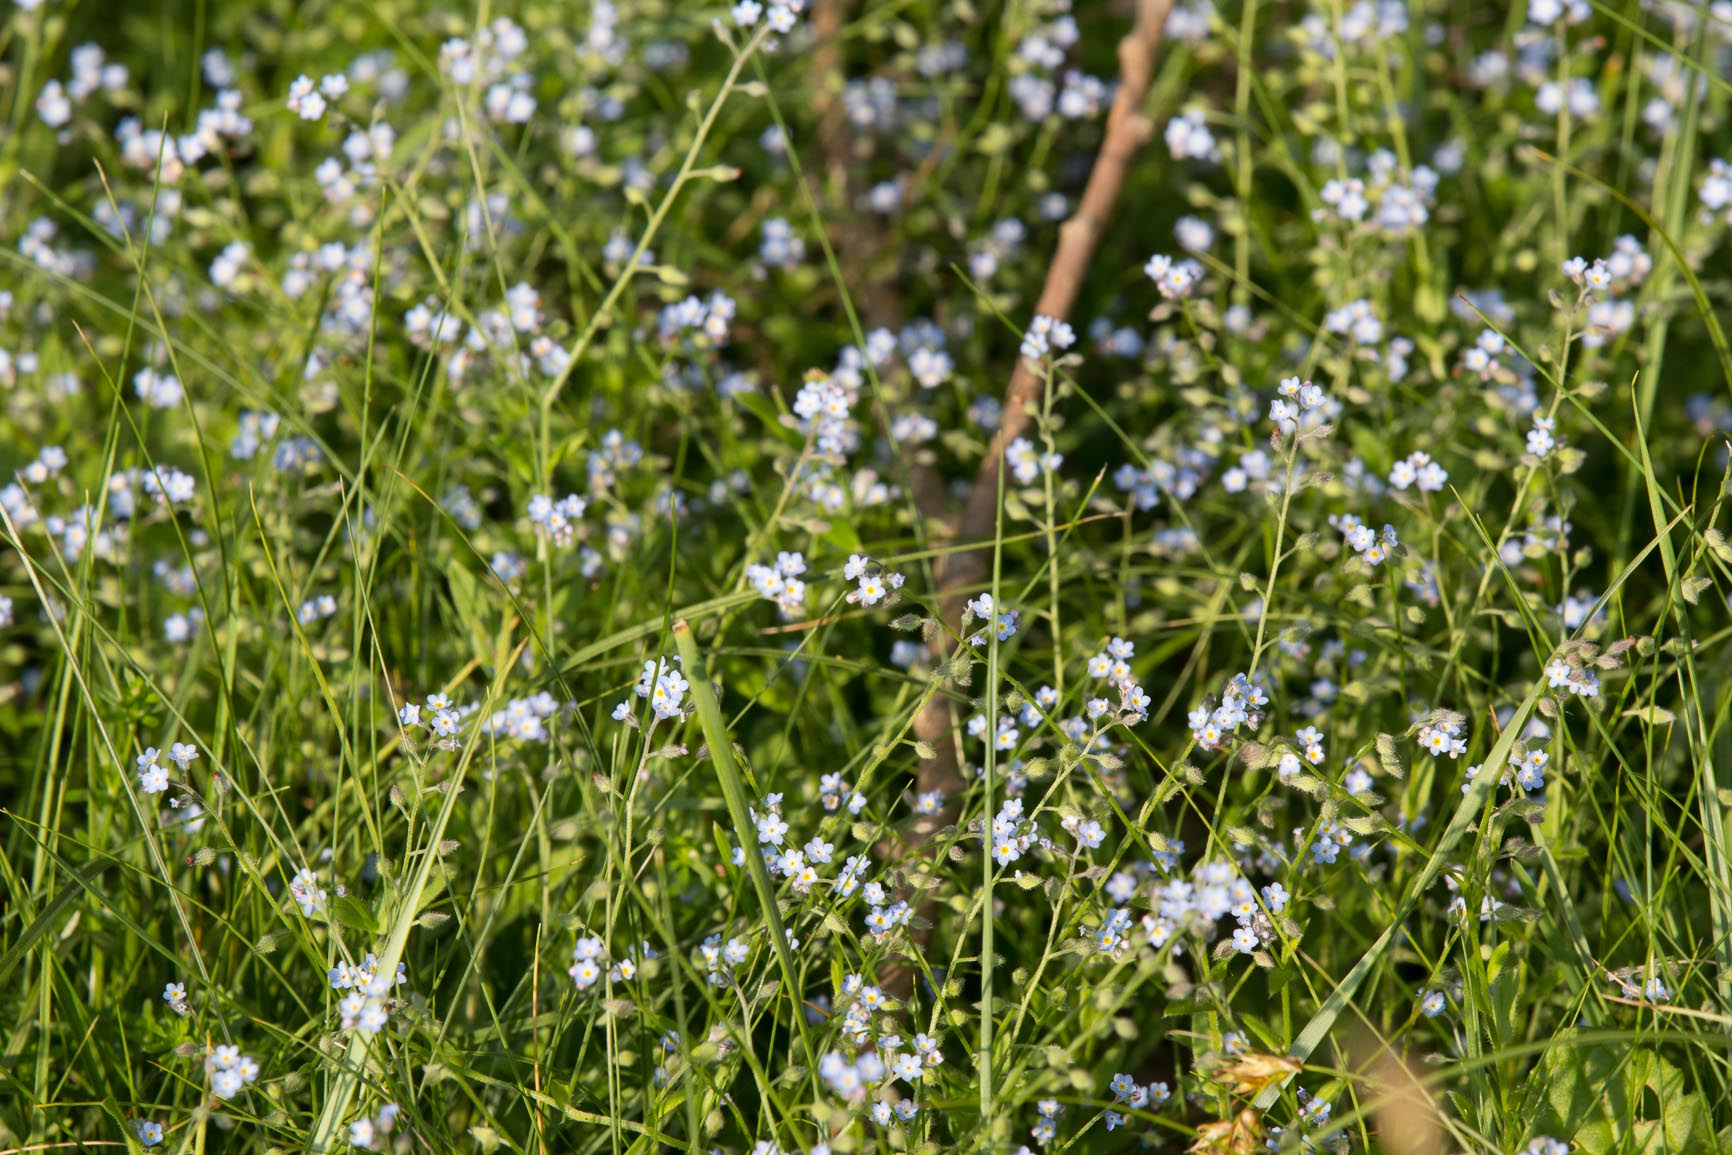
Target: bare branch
[(1127, 129)]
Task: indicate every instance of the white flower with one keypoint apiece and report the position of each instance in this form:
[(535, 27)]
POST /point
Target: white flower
[(304, 101)]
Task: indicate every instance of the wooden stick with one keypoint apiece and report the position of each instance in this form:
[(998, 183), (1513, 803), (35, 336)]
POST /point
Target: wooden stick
[(1127, 130)]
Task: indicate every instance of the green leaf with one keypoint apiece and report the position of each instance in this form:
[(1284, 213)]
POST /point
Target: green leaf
[(1389, 757), (1606, 1099), (761, 407), (842, 534), (353, 914)]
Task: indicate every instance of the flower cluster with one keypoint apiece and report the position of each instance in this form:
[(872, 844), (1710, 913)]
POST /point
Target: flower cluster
[(1299, 402), (1188, 138), (309, 102), (1011, 835), (874, 1074), (153, 775), (694, 318), (1526, 769), (557, 521), (1397, 206), (1026, 464), (719, 959), (1113, 664), (1127, 1092), (1445, 735), (229, 1071), (1241, 704), (1308, 743), (1716, 191), (781, 247), (1327, 841), (1417, 469), (442, 718), (663, 685), (1215, 891), (1039, 55), (873, 583), (92, 72), (1367, 544), (315, 609), (522, 719), (1567, 674), (780, 18), (1540, 439), (366, 1007), (1045, 1129), (366, 1131), (1004, 623), (588, 962), (308, 894), (1640, 983), (1175, 279), (1313, 1118), (781, 583), (884, 917), (823, 410), (1046, 334)]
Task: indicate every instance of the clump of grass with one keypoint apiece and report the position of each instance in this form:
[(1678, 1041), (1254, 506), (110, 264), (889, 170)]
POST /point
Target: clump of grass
[(831, 577)]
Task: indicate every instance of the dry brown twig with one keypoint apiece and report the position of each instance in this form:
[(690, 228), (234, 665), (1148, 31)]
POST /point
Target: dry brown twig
[(956, 574), (1127, 129)]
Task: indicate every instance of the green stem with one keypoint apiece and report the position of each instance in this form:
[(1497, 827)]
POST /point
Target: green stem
[(721, 748)]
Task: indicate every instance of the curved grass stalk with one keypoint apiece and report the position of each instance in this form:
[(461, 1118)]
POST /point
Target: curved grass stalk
[(721, 749)]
